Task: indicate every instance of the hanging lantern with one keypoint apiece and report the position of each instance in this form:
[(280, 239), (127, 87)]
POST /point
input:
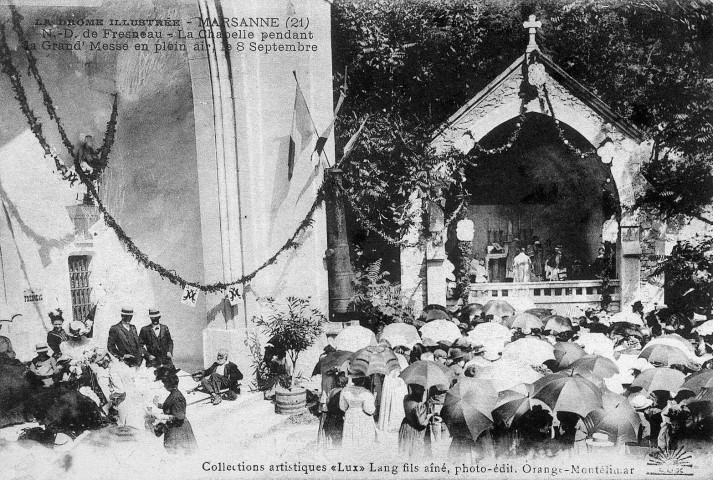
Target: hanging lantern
[(465, 230)]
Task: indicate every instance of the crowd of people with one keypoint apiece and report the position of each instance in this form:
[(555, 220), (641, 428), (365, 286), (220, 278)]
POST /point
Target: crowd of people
[(122, 378), (490, 381), (534, 261)]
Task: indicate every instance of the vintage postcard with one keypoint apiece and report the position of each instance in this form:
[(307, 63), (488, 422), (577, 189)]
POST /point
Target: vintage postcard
[(356, 239)]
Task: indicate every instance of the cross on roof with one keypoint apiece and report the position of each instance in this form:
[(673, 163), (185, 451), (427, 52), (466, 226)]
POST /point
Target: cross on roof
[(532, 25)]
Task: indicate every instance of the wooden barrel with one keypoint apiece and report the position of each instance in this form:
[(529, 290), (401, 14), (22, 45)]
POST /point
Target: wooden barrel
[(290, 402)]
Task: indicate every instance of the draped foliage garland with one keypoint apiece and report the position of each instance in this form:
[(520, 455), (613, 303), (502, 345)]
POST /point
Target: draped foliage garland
[(8, 67)]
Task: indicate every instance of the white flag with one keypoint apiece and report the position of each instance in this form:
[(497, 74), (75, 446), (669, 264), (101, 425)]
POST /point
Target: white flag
[(190, 295), (234, 294)]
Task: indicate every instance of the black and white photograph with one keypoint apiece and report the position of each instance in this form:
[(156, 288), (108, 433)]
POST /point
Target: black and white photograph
[(361, 239)]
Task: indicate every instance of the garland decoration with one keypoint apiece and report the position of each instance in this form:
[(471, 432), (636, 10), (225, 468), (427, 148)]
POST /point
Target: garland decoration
[(32, 70), (465, 161), (170, 275), (560, 130), (369, 225), (8, 67)]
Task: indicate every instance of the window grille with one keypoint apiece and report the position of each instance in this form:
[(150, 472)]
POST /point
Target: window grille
[(79, 286)]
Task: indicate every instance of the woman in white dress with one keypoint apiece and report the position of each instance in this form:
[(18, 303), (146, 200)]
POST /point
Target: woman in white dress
[(392, 399), (358, 405)]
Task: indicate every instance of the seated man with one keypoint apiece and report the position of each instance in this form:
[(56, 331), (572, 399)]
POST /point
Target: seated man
[(222, 374)]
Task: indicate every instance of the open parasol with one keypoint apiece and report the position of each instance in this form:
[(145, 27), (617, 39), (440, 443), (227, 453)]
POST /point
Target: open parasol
[(676, 341), (334, 360), (489, 332), (540, 312), (374, 360), (400, 335), (506, 373), (568, 392), (557, 324), (354, 338), (568, 310), (427, 374), (501, 308), (627, 317), (598, 365), (618, 419), (438, 330), (524, 321), (566, 353), (468, 407), (596, 344), (665, 355), (659, 378), (530, 350), (513, 404), (698, 381)]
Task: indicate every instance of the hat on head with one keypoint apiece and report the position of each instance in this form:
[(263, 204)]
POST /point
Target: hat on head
[(56, 315), (127, 311), (41, 347), (76, 327), (154, 313)]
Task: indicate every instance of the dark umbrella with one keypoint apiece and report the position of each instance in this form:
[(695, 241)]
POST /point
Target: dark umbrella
[(660, 378), (468, 406), (596, 364), (540, 312), (567, 353), (427, 374), (512, 405), (374, 360), (664, 355), (557, 324), (437, 315), (470, 312), (568, 392), (698, 381), (619, 421), (501, 308), (334, 360)]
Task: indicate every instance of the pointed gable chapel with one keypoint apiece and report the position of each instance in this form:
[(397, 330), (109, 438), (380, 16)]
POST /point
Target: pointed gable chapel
[(535, 84)]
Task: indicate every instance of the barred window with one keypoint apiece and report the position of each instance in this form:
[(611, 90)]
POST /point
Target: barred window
[(79, 286)]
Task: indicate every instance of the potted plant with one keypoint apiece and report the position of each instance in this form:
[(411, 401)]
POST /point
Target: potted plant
[(291, 328)]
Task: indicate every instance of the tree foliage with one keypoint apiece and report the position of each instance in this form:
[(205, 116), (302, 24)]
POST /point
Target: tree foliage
[(293, 326), (412, 63)]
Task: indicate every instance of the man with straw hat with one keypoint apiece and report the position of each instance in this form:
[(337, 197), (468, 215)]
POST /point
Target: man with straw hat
[(156, 339), (123, 341)]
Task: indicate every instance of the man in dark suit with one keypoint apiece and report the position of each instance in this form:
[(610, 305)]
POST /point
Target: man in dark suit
[(157, 341), (222, 374), (124, 339)]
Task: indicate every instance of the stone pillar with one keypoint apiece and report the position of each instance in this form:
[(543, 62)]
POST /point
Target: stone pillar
[(413, 261), (243, 105)]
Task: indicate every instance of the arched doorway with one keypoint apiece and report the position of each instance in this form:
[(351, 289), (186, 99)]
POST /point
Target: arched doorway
[(562, 116), (542, 197)]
